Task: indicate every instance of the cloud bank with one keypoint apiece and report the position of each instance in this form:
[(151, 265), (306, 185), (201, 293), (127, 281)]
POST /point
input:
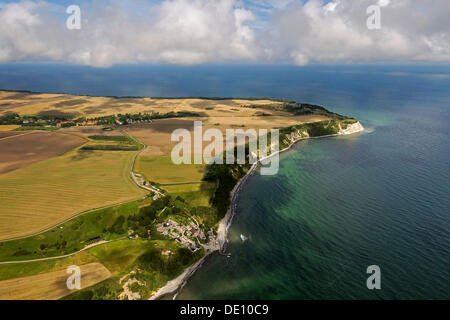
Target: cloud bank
[(221, 31)]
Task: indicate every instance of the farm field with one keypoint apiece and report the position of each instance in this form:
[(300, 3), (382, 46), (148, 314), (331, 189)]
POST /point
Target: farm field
[(4, 128), (114, 143), (90, 228), (91, 107), (116, 256), (50, 285), (162, 170), (44, 194), (21, 150)]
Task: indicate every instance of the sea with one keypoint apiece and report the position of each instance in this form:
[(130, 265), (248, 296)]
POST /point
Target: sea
[(337, 205)]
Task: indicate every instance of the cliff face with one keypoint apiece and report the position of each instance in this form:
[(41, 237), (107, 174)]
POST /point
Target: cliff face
[(352, 128), (318, 129)]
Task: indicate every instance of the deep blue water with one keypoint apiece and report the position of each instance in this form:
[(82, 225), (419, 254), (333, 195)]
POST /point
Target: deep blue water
[(337, 205)]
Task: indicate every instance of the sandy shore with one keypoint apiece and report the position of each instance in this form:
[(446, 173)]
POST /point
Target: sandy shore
[(225, 223)]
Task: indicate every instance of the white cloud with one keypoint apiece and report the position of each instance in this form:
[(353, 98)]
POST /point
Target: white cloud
[(208, 31), (336, 32), (174, 31)]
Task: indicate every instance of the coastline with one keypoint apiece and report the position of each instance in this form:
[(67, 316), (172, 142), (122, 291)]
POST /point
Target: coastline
[(224, 224)]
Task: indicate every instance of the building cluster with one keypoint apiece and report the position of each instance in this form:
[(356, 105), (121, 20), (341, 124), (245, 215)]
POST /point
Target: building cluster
[(188, 236)]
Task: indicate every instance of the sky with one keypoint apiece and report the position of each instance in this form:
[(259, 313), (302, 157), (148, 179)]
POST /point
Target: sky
[(191, 32)]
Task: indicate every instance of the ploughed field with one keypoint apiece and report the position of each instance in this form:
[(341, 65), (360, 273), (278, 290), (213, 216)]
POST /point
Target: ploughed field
[(22, 149)]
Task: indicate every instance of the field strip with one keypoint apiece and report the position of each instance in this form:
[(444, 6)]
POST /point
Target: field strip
[(18, 135), (180, 183), (63, 256)]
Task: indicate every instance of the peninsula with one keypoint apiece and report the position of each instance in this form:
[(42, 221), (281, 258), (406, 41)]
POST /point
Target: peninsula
[(89, 181)]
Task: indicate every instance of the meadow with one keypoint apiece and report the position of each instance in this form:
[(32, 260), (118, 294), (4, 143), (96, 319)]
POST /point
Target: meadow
[(197, 194)]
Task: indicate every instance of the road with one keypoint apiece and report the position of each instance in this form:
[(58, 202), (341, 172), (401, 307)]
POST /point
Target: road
[(63, 256)]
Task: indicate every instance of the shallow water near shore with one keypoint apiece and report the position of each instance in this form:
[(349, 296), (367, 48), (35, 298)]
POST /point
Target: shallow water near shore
[(338, 204)]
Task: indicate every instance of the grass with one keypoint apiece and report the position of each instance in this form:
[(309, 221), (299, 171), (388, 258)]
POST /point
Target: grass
[(11, 271), (162, 170), (71, 236), (196, 194), (146, 259), (112, 143), (44, 194), (118, 256)]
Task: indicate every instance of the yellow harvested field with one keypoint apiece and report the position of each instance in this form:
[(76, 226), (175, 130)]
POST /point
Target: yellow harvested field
[(51, 285), (91, 107), (44, 194), (8, 127)]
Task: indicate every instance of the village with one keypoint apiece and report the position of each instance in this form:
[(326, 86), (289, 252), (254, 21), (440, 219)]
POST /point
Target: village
[(64, 121), (61, 123), (190, 236)]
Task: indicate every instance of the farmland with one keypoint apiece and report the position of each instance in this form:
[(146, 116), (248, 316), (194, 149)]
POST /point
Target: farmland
[(72, 236), (44, 194), (5, 128), (161, 169), (26, 103), (51, 285), (21, 150), (112, 143)]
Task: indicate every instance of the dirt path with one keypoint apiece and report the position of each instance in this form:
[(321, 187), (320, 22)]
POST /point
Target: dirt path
[(63, 256)]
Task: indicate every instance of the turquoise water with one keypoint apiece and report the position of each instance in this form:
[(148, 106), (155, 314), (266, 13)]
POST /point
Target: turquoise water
[(341, 204), (337, 205)]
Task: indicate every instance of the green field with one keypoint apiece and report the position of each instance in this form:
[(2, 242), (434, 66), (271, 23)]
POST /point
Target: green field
[(112, 143), (162, 170), (144, 257), (44, 194), (196, 194), (72, 236)]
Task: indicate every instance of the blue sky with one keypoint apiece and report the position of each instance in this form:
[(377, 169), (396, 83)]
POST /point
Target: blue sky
[(186, 32)]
